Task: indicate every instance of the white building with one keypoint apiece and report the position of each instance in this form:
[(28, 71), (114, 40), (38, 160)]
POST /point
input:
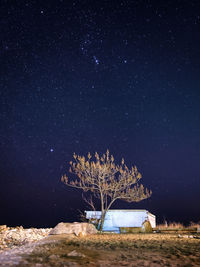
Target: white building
[(123, 218)]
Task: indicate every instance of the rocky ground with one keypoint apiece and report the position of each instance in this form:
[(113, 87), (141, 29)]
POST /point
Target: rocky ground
[(35, 248), (13, 237)]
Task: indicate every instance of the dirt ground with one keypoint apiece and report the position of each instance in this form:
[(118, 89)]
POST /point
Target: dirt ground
[(116, 250)]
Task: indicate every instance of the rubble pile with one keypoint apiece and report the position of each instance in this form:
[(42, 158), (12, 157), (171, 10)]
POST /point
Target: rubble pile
[(11, 237)]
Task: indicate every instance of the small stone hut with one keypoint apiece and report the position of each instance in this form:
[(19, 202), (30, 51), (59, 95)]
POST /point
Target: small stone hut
[(116, 220)]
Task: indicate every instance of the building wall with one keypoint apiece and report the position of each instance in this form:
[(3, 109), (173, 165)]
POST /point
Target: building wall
[(122, 218), (152, 220)]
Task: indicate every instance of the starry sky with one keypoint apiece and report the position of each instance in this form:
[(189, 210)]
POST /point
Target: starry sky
[(80, 76)]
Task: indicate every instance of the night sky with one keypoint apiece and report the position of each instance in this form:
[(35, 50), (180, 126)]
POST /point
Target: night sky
[(80, 76)]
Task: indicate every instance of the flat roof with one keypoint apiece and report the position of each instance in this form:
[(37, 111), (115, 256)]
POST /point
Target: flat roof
[(123, 210), (117, 210)]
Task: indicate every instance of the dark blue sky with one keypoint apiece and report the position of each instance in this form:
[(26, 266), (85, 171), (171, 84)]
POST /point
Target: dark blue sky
[(79, 76)]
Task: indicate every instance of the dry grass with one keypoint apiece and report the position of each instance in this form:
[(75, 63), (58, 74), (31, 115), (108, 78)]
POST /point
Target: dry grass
[(176, 227), (119, 250), (172, 225), (194, 224)]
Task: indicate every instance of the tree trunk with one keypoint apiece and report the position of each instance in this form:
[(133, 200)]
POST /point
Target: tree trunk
[(103, 215)]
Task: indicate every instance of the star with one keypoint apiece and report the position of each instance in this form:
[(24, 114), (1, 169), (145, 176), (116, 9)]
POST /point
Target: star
[(96, 60)]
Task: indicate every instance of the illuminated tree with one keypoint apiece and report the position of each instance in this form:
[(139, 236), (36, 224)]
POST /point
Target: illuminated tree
[(106, 180)]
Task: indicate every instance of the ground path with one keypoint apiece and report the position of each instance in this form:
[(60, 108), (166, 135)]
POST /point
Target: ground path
[(152, 250), (13, 257)]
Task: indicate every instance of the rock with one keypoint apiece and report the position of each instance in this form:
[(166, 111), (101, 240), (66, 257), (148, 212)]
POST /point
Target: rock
[(79, 229), (81, 234), (70, 264), (186, 236), (53, 257), (74, 253), (14, 237), (19, 228), (146, 227), (3, 228)]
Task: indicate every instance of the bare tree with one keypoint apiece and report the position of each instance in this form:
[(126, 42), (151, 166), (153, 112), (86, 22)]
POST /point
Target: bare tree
[(106, 180)]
